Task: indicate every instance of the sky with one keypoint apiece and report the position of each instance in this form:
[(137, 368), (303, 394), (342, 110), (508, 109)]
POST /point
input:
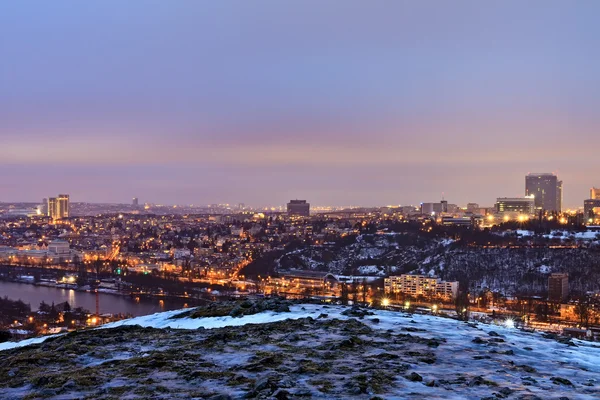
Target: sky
[(338, 102)]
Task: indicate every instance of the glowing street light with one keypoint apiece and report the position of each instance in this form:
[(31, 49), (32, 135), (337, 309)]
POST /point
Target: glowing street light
[(385, 302)]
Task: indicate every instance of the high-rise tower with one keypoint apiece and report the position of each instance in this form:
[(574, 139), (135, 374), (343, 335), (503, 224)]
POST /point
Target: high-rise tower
[(547, 190)]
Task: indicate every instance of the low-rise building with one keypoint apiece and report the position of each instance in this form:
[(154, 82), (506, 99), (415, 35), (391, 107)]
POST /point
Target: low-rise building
[(521, 205)]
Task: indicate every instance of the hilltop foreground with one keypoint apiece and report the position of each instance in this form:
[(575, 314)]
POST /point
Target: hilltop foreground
[(299, 351)]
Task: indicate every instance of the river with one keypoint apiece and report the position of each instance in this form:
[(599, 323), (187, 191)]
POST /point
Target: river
[(109, 303)]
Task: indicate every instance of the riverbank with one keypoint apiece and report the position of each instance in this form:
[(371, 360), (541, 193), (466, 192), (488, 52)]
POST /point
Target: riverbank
[(108, 303)]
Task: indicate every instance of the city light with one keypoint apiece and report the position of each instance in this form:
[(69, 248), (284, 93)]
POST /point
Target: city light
[(509, 323), (385, 302), (407, 305)]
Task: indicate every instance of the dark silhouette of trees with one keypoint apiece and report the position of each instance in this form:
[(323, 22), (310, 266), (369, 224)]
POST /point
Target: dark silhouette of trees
[(344, 293)]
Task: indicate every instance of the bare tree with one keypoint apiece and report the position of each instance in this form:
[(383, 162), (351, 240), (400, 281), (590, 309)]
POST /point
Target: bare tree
[(344, 294), (583, 309)]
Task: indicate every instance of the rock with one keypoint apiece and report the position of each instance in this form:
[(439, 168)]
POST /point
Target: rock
[(527, 368), (41, 381), (479, 380), (527, 348), (431, 383), (434, 342), (506, 391), (353, 388), (414, 377), (493, 333), (528, 381), (267, 383), (509, 353), (375, 320), (281, 394), (283, 308), (411, 329), (292, 337), (322, 315), (69, 385), (287, 383), (567, 341), (220, 397), (45, 393), (561, 381), (478, 340), (357, 312), (350, 342)]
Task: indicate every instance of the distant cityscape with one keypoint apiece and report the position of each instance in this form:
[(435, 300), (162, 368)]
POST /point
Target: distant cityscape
[(189, 254), (543, 194)]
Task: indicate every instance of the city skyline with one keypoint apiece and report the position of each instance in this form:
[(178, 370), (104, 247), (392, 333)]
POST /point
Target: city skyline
[(529, 185), (194, 103)]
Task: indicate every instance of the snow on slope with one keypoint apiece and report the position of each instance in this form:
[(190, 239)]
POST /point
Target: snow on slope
[(26, 342), (510, 358), (162, 320)]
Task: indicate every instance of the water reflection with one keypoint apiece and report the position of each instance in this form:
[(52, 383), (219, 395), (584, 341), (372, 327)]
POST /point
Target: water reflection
[(71, 299), (109, 303)]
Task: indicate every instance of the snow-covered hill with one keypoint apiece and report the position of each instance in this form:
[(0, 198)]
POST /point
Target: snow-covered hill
[(369, 255), (318, 351), (506, 269)]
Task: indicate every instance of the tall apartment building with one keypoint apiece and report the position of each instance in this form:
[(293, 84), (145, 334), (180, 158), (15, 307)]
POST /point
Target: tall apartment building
[(52, 207), (421, 285), (558, 287), (595, 193), (59, 207), (546, 189), (298, 208), (135, 202)]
